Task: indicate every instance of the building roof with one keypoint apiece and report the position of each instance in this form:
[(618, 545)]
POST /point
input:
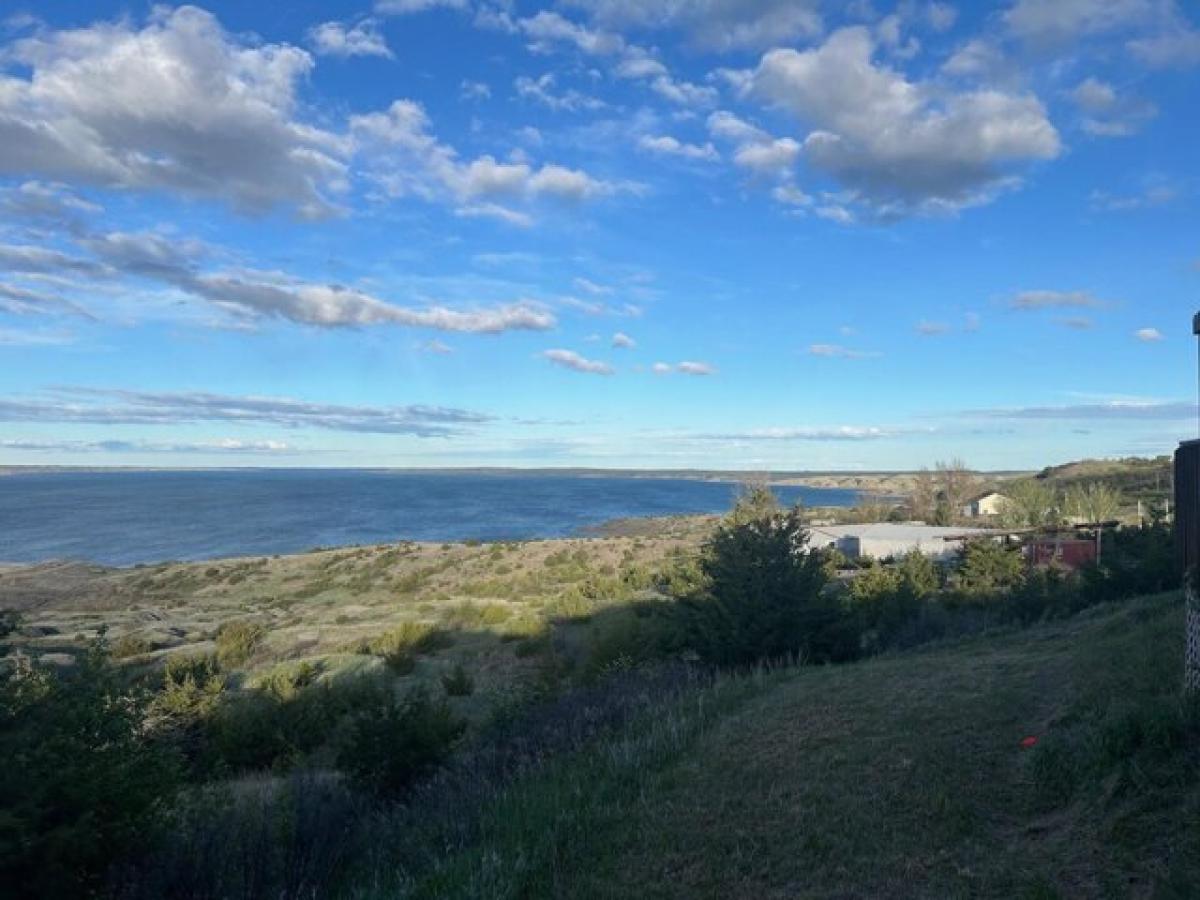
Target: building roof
[(896, 531)]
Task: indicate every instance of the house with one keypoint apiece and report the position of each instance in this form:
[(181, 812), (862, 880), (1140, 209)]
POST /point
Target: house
[(989, 504), (881, 540)]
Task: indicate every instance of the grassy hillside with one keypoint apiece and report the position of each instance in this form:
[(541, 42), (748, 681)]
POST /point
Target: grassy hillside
[(1136, 478), (898, 777), (335, 610)]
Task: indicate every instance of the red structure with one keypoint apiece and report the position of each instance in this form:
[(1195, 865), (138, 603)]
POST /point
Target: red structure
[(1070, 553)]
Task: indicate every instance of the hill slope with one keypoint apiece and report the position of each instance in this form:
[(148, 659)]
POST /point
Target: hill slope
[(898, 777)]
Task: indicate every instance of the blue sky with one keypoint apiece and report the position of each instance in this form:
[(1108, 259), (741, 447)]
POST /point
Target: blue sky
[(711, 234)]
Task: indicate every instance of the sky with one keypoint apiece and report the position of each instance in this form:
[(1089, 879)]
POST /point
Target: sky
[(723, 234)]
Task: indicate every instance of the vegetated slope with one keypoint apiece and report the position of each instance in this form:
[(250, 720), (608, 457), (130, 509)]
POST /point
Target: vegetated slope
[(904, 776), (1137, 478)]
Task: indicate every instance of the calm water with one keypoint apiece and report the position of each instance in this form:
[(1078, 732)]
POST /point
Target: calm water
[(123, 518)]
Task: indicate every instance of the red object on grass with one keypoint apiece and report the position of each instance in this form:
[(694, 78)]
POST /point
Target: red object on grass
[(1028, 742)]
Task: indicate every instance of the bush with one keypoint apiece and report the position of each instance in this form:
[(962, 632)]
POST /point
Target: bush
[(258, 729), (128, 645), (762, 597), (401, 646), (458, 682), (986, 567), (80, 778), (389, 747), (237, 641)]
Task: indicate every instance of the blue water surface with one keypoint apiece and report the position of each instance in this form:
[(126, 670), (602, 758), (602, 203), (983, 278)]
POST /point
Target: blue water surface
[(122, 518)]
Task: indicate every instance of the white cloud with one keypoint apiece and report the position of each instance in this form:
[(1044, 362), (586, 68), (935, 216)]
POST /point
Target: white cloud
[(1148, 335), (436, 346), (542, 90), (622, 341), (569, 359), (1059, 21), (926, 328), (361, 39), (177, 105), (690, 367), (224, 445), (1179, 47), (407, 7), (22, 301), (1031, 300), (774, 158), (102, 406), (836, 433), (474, 90), (1108, 115), (840, 352), (666, 145), (1153, 195), (177, 262), (591, 287), (1161, 34), (941, 16), (406, 159), (901, 147), (1077, 323), (714, 24)]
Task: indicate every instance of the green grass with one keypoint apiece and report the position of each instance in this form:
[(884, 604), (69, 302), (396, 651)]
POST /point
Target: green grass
[(902, 776)]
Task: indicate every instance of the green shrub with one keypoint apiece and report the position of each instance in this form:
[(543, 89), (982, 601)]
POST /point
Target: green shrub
[(80, 779), (986, 567), (237, 641), (763, 597), (388, 748), (258, 729), (458, 682), (128, 645), (401, 645)]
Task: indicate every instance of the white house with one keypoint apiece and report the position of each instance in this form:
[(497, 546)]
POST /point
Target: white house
[(881, 540), (989, 504)]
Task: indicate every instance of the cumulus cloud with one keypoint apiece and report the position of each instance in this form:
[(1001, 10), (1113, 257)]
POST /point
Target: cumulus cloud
[(474, 90), (120, 407), (714, 24), (407, 160), (1060, 21), (176, 105), (1033, 300), (900, 146), (338, 39), (569, 359), (666, 145), (1106, 114), (691, 367), (543, 90), (622, 341), (1148, 335)]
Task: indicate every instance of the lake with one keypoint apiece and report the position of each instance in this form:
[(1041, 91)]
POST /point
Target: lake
[(127, 517)]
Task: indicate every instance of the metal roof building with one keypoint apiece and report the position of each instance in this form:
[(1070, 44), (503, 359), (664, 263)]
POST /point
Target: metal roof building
[(879, 540)]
